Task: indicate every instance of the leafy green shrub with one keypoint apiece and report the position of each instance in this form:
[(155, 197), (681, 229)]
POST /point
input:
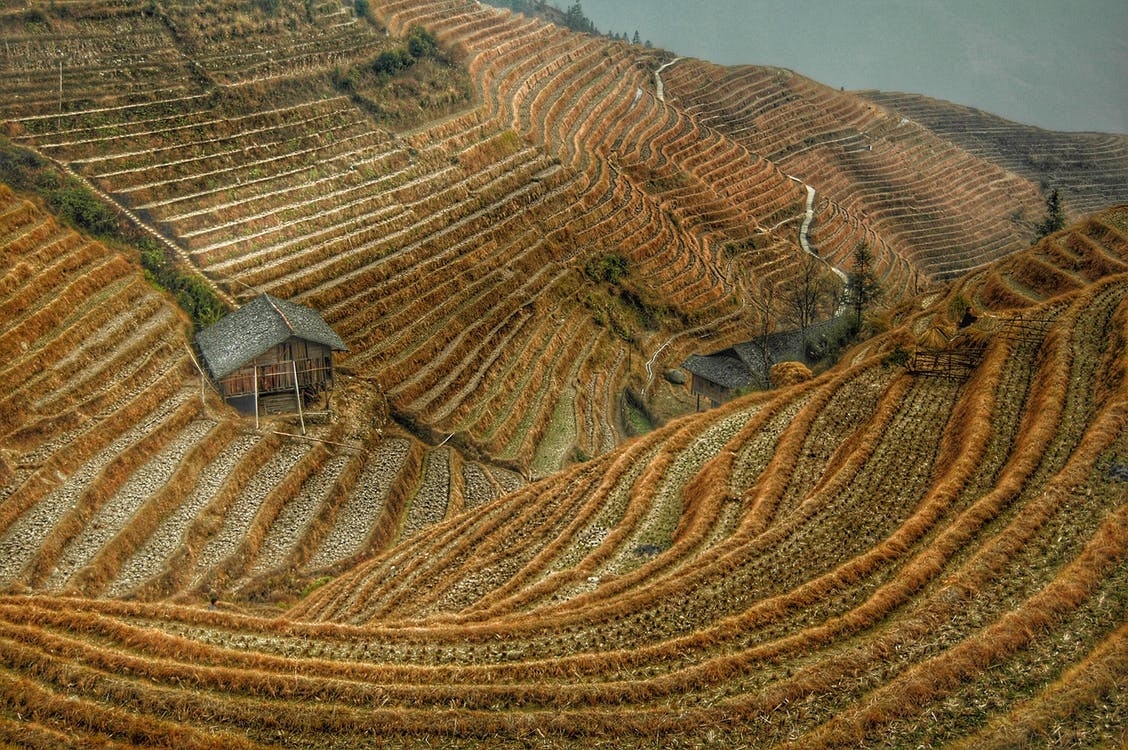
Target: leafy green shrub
[(611, 268), (192, 294), (19, 168), (391, 62), (824, 347), (899, 357), (343, 80), (83, 210), (71, 201), (421, 43)]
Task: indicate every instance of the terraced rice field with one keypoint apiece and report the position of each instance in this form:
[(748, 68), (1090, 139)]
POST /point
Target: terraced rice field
[(875, 557), (124, 475), (926, 205), (1086, 167), (441, 252), (899, 552)]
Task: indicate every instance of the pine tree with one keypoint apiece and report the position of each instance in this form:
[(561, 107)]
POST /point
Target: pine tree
[(1055, 216), (864, 287), (575, 19)]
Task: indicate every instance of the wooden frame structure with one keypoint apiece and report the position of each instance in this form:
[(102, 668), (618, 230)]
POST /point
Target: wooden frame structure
[(951, 364), (718, 377), (959, 360)]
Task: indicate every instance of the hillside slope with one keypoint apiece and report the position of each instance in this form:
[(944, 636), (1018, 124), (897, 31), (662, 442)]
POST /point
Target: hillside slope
[(940, 192), (1088, 168), (889, 554), (121, 474), (457, 251), (924, 545)]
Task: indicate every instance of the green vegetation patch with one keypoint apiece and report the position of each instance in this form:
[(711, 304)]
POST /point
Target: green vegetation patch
[(404, 86), (637, 419), (560, 438), (623, 304), (67, 198), (79, 208), (192, 293), (610, 268)]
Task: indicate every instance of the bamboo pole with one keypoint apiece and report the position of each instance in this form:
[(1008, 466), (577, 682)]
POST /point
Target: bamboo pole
[(203, 377), (298, 394)]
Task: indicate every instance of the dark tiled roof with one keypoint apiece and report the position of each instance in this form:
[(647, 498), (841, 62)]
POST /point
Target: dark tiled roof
[(722, 369), (740, 365), (256, 327)]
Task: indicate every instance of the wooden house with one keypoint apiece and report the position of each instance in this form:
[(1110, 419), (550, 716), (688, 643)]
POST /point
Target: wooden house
[(740, 368), (719, 377), (270, 355)]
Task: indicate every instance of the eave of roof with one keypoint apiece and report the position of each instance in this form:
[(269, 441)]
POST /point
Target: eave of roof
[(262, 323), (725, 371)]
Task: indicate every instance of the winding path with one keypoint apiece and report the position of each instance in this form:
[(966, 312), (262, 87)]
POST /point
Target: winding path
[(658, 79), (808, 217)]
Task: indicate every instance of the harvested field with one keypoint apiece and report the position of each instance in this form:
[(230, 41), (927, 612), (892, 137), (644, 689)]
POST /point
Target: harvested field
[(923, 545), (265, 181), (912, 558)]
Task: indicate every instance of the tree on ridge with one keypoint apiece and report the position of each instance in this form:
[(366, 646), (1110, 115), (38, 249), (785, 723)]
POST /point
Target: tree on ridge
[(1055, 215), (864, 287)]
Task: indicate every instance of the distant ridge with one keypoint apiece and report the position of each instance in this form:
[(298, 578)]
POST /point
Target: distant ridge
[(1088, 168)]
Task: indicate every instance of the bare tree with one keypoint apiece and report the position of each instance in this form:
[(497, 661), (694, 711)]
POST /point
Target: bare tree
[(766, 322), (808, 293)]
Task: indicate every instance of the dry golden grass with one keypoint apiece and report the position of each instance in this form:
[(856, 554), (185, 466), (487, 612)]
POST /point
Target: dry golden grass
[(786, 374), (868, 557)]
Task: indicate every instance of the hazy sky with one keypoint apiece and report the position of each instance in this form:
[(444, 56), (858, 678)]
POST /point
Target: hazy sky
[(1056, 64)]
